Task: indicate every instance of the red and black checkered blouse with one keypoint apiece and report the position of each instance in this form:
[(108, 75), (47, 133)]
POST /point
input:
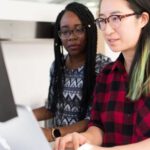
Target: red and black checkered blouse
[(121, 120)]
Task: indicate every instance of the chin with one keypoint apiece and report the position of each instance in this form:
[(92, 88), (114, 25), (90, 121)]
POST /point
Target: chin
[(74, 54), (115, 49)]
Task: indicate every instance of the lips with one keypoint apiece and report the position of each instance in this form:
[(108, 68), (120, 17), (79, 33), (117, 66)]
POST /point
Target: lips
[(112, 41), (73, 46)]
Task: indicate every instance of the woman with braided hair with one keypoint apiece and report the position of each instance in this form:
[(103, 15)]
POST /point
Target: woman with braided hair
[(72, 75)]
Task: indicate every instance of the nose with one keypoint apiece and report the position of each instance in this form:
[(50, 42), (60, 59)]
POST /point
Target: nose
[(108, 29), (72, 35)]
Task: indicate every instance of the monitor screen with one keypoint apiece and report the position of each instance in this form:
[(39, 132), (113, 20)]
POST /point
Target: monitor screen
[(7, 104)]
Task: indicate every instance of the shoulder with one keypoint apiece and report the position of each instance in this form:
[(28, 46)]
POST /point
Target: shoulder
[(102, 58), (101, 61), (52, 68), (108, 68), (53, 64), (106, 71)]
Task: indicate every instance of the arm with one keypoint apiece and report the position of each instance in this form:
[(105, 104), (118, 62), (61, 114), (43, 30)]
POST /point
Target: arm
[(76, 127), (94, 135), (86, 137), (42, 113), (143, 145)]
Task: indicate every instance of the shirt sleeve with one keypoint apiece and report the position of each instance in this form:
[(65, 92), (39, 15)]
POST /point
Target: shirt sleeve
[(51, 91), (143, 120)]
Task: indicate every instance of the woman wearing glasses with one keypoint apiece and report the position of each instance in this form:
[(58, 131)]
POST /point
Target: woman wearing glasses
[(72, 75), (120, 115)]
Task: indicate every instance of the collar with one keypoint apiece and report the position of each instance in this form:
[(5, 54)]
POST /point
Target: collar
[(119, 64)]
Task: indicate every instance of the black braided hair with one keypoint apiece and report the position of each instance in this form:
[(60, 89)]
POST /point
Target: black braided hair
[(87, 20)]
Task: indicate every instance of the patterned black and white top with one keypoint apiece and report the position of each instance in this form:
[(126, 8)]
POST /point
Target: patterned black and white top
[(68, 110)]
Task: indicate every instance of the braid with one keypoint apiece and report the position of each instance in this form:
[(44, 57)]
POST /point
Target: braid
[(58, 64)]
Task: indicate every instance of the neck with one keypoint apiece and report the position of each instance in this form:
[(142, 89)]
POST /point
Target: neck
[(127, 66), (73, 62), (128, 57)]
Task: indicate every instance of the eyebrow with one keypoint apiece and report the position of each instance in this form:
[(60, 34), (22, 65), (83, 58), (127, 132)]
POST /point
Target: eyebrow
[(66, 26), (112, 13)]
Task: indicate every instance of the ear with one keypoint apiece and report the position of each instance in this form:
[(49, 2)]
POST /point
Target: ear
[(144, 19)]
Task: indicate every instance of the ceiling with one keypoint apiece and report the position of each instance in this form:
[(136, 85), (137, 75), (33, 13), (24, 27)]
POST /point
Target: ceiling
[(88, 3)]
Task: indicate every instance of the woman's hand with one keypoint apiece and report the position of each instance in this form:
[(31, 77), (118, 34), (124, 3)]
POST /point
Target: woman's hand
[(70, 141)]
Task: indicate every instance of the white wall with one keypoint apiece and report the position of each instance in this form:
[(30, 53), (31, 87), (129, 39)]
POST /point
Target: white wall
[(29, 11), (28, 66)]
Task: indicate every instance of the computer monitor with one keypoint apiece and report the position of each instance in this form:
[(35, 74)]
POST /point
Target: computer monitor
[(19, 129), (22, 132), (7, 104)]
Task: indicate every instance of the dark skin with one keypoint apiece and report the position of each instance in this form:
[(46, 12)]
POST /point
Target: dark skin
[(75, 47)]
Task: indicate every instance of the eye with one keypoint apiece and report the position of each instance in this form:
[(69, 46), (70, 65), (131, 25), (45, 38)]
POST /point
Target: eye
[(80, 30), (65, 32), (101, 21), (115, 18)]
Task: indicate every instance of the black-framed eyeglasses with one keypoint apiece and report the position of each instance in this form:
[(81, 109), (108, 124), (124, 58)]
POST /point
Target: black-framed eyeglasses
[(65, 33), (114, 20)]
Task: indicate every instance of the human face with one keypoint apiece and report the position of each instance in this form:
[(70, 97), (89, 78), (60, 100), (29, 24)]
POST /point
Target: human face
[(76, 41), (125, 37)]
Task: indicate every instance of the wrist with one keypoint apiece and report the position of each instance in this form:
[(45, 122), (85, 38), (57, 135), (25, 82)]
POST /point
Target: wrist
[(55, 133)]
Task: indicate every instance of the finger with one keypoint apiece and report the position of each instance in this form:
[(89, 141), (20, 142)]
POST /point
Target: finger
[(76, 140), (62, 142), (56, 144), (69, 145)]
